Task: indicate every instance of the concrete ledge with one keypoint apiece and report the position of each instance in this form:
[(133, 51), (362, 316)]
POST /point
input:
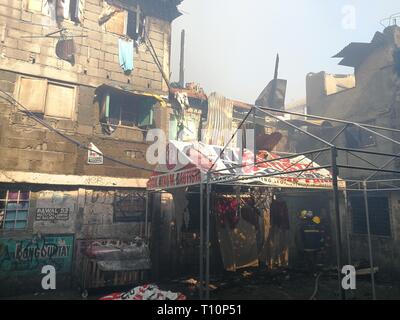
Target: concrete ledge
[(70, 180)]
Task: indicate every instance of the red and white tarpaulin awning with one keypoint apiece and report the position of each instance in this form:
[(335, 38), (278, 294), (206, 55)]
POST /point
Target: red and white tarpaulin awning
[(186, 164)]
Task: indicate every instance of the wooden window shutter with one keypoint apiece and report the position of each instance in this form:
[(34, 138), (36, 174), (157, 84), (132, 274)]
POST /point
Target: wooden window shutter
[(117, 23), (146, 114), (60, 101), (32, 93)]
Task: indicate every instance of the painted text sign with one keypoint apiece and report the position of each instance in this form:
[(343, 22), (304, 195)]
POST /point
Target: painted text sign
[(46, 214), (28, 256)]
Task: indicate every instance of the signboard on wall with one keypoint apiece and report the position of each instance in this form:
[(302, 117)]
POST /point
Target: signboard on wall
[(51, 214), (95, 156), (25, 257)]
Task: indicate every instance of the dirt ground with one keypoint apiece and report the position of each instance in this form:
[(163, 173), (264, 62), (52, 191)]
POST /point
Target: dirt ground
[(252, 285)]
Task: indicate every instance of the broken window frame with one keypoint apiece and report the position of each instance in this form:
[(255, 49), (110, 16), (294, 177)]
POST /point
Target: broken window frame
[(105, 106), (45, 96), (137, 215), (4, 210), (129, 11)]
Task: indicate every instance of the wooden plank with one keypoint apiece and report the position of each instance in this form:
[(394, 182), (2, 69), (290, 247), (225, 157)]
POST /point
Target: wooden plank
[(32, 93), (60, 101), (117, 23)]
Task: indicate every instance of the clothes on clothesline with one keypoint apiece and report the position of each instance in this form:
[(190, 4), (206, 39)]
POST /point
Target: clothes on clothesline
[(65, 50), (126, 51), (62, 9)]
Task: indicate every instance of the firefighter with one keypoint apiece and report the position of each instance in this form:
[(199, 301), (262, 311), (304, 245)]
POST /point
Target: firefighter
[(312, 236)]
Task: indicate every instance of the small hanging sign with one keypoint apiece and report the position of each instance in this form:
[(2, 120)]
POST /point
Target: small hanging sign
[(95, 156)]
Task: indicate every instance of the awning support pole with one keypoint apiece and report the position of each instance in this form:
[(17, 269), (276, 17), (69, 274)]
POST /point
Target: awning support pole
[(371, 261), (146, 218), (208, 187), (201, 254), (335, 172), (255, 138), (347, 224)]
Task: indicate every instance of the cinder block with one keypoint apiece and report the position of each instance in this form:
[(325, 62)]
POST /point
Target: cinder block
[(91, 16), (7, 86), (112, 66), (85, 130), (17, 54), (17, 34), (28, 46), (11, 43), (26, 16), (141, 83), (156, 36), (16, 4), (119, 76), (91, 25), (10, 12), (42, 20), (89, 7), (146, 74)]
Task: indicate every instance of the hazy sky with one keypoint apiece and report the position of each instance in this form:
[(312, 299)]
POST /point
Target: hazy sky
[(231, 44)]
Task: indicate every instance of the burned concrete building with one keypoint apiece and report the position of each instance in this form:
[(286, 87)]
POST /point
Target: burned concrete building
[(369, 96), (81, 83)]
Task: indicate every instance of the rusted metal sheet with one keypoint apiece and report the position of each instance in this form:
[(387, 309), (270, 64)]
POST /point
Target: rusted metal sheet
[(219, 120)]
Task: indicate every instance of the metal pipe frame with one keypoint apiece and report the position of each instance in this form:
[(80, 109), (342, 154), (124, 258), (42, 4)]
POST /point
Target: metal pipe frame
[(371, 259), (335, 168), (335, 174), (295, 155), (329, 119)]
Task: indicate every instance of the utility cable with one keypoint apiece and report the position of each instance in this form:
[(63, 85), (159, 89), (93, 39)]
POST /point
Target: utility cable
[(30, 114)]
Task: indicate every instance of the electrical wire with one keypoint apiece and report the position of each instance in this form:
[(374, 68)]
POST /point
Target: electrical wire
[(30, 114), (155, 58)]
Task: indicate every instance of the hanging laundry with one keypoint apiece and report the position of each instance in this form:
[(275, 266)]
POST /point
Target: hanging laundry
[(77, 10), (126, 54), (62, 10), (65, 50), (49, 9)]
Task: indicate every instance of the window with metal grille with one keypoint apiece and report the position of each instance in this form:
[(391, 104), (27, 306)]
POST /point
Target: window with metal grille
[(14, 208), (379, 216), (129, 206)]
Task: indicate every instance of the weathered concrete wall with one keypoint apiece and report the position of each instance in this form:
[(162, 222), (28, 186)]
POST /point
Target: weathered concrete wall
[(72, 215), (373, 94), (96, 217), (385, 249), (26, 145), (375, 98), (96, 59)]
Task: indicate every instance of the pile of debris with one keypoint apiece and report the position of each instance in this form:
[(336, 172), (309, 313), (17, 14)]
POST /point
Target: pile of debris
[(145, 292)]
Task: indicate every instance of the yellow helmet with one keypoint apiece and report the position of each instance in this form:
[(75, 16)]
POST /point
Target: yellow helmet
[(316, 220), (303, 214)]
